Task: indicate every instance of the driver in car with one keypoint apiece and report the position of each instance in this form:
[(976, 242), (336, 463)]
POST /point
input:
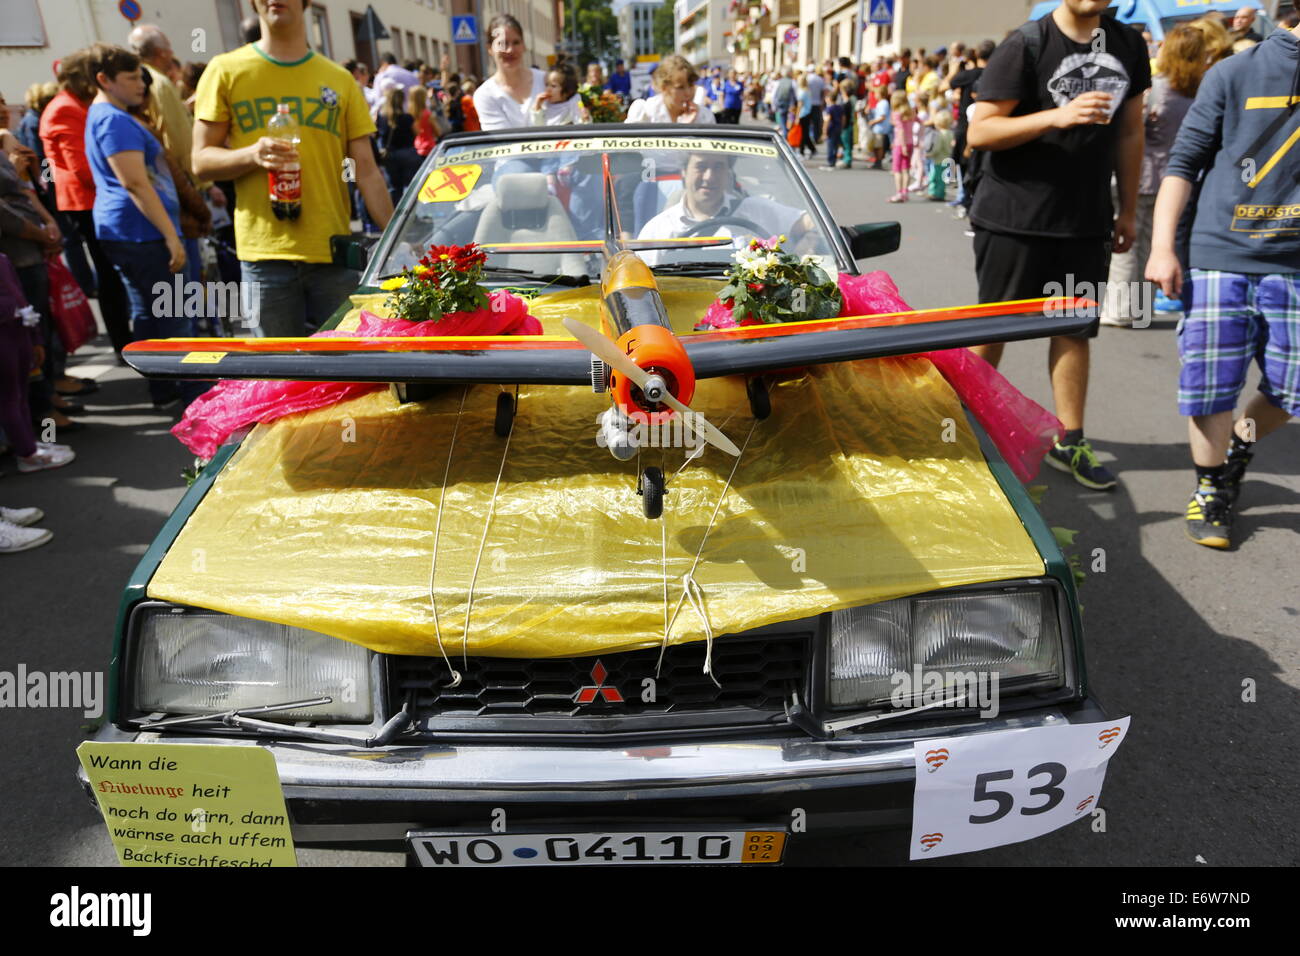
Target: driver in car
[(709, 196)]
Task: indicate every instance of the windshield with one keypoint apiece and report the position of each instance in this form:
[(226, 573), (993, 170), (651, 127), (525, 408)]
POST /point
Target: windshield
[(547, 191)]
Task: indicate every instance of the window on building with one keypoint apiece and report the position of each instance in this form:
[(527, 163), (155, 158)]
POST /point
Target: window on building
[(834, 48), (884, 33), (424, 48), (21, 24), (411, 48), (853, 36), (397, 45), (318, 31)]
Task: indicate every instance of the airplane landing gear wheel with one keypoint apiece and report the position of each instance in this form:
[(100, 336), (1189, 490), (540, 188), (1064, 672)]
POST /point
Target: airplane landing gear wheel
[(760, 399), (505, 414), (651, 489)]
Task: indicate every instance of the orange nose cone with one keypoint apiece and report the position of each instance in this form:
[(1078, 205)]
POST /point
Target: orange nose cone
[(656, 350)]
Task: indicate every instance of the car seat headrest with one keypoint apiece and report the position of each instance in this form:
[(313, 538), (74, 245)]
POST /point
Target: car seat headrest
[(524, 200)]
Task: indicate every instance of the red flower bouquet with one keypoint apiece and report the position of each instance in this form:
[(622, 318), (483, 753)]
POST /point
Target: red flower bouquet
[(440, 296)]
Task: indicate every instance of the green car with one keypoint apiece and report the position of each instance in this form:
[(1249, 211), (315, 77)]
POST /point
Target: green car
[(460, 630)]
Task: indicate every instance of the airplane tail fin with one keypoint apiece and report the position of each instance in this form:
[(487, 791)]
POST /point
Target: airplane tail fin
[(613, 224)]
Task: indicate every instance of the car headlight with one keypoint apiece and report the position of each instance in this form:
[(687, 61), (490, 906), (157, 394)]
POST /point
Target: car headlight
[(195, 662), (1014, 633)]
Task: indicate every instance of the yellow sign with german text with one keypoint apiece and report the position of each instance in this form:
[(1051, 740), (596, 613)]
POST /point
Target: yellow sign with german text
[(190, 805)]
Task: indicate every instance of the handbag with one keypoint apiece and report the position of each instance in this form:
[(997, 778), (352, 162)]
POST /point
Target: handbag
[(69, 308), (794, 136)]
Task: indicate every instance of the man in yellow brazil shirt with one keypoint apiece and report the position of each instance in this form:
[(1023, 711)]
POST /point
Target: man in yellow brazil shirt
[(290, 283)]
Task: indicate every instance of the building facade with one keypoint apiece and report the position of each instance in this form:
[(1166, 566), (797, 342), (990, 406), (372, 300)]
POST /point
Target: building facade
[(917, 24), (704, 32), (35, 33), (765, 33), (771, 34), (636, 28)]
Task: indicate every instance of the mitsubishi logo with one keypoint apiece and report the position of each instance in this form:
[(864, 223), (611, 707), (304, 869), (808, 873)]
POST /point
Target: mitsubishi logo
[(588, 693)]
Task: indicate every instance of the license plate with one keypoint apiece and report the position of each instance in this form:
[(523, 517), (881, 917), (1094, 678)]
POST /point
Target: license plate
[(598, 849)]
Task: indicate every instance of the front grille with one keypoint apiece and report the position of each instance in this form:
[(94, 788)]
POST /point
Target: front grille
[(757, 677)]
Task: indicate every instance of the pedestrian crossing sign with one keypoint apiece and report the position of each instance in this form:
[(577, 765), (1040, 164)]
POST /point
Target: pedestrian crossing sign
[(464, 29), (882, 11)]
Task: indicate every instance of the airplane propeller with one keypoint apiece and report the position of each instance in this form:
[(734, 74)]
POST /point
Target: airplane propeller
[(653, 386)]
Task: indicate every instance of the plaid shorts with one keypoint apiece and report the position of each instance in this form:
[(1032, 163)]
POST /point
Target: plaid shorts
[(1236, 318)]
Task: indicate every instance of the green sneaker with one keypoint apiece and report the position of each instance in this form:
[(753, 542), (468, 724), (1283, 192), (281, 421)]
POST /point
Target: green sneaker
[(1209, 517), (1080, 460)]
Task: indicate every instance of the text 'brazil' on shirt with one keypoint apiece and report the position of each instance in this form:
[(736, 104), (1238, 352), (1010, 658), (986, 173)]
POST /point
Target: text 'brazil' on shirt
[(243, 88)]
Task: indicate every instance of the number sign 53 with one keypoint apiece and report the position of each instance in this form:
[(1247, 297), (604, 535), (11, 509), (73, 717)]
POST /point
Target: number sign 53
[(990, 789)]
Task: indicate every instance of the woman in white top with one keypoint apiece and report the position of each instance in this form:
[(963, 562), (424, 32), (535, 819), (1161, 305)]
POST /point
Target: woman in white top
[(559, 104), (674, 101), (504, 98)]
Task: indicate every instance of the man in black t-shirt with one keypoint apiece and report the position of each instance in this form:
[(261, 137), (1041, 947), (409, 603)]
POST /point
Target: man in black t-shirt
[(1059, 111)]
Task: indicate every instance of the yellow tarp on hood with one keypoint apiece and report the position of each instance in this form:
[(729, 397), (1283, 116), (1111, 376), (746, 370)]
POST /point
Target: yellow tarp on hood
[(846, 495)]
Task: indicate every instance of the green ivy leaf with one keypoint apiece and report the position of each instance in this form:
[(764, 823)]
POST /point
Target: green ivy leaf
[(1064, 536)]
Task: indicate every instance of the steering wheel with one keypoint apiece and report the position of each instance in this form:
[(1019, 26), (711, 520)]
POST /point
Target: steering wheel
[(700, 228)]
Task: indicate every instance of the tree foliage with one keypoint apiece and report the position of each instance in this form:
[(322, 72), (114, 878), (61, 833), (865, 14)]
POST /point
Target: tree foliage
[(597, 30), (665, 27)]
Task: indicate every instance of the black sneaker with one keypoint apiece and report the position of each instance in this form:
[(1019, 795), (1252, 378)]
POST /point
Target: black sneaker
[(1209, 517), (1234, 470), (1081, 462)]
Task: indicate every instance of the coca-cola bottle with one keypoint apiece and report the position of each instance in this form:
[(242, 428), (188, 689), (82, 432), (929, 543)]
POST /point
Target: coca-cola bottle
[(286, 183)]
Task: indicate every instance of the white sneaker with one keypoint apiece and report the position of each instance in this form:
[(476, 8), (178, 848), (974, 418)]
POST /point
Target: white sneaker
[(21, 516), (51, 456), (1119, 321), (52, 446), (13, 538)]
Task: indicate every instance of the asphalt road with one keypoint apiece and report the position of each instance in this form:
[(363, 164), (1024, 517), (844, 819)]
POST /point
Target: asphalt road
[(1172, 630)]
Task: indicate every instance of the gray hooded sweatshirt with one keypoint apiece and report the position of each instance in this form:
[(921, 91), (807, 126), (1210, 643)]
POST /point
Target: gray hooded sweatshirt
[(1243, 131)]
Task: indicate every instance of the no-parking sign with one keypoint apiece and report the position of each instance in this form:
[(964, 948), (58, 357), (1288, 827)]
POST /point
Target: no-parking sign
[(129, 9)]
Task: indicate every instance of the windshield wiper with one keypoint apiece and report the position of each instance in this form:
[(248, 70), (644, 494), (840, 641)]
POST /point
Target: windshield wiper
[(550, 278), (547, 278), (683, 268), (238, 718)]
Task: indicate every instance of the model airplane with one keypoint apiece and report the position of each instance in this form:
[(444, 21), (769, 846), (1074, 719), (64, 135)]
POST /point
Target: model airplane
[(647, 369)]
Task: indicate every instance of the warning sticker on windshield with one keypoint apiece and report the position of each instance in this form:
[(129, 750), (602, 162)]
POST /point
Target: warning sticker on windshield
[(450, 183), (607, 144)]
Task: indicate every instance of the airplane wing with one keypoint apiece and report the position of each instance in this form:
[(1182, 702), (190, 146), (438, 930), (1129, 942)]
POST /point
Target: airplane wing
[(561, 360)]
